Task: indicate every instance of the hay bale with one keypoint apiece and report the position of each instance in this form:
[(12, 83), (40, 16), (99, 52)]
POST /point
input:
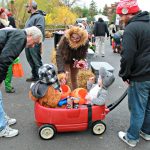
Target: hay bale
[(83, 76)]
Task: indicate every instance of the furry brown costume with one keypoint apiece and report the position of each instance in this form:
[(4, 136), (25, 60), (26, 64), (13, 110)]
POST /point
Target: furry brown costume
[(51, 98), (69, 50)]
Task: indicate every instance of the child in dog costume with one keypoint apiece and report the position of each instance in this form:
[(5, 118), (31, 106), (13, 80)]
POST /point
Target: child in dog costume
[(98, 93)]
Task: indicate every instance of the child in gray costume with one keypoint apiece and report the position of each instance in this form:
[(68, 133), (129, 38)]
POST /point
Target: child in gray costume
[(98, 93)]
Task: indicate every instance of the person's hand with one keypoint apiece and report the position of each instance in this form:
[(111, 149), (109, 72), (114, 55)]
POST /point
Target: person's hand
[(81, 64), (88, 99), (127, 82), (91, 80)]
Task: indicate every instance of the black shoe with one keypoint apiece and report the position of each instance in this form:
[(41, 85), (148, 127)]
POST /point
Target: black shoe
[(32, 79), (10, 91)]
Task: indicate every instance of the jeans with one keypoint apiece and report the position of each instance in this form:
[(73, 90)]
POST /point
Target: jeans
[(139, 106), (34, 58), (3, 121)]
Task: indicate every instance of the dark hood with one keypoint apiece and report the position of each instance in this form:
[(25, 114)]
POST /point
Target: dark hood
[(142, 16), (40, 12)]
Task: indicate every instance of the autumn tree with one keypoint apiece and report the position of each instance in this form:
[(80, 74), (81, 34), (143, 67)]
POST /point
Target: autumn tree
[(78, 11), (105, 10), (93, 9), (61, 15), (69, 3), (85, 12)]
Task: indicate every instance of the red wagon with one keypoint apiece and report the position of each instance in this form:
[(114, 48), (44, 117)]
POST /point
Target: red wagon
[(52, 120)]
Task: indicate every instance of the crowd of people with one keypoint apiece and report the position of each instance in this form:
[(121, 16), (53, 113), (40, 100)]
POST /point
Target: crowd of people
[(132, 42)]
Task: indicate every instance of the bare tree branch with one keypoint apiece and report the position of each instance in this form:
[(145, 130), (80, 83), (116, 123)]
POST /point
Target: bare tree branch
[(69, 3)]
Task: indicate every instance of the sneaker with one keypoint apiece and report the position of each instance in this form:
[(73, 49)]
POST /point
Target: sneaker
[(32, 79), (10, 121), (8, 132), (145, 136), (122, 136)]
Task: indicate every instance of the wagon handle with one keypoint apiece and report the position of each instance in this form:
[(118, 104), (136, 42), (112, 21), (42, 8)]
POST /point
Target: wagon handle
[(117, 102)]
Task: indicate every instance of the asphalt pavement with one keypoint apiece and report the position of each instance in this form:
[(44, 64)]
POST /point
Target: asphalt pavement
[(19, 105)]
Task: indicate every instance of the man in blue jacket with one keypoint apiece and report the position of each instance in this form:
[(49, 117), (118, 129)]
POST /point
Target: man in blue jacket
[(12, 42), (135, 70), (33, 55)]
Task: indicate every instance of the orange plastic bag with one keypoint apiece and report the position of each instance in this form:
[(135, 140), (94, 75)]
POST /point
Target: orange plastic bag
[(17, 70), (80, 93)]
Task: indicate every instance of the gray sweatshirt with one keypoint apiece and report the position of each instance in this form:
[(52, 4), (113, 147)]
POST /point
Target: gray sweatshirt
[(101, 97)]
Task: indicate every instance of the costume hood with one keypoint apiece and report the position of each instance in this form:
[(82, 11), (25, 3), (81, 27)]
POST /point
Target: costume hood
[(81, 32)]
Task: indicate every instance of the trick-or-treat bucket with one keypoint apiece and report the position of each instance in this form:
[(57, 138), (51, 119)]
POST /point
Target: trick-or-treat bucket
[(65, 91), (80, 93), (17, 70)]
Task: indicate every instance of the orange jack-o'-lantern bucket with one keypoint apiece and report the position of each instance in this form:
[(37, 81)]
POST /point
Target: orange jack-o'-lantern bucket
[(65, 91), (80, 93)]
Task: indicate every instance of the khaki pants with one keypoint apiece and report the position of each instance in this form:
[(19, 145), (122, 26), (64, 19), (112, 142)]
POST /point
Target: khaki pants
[(100, 45)]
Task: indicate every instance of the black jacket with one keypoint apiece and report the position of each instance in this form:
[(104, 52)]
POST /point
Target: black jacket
[(12, 42), (135, 61), (100, 28)]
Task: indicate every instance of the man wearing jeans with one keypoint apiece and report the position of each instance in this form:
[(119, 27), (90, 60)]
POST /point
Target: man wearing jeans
[(12, 42), (100, 29), (135, 70)]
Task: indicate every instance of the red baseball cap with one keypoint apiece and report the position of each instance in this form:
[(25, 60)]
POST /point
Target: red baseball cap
[(127, 7)]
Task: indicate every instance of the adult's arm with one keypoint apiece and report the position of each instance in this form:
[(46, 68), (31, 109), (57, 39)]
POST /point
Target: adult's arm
[(128, 53)]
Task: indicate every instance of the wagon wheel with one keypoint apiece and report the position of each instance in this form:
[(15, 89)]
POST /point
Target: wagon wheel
[(98, 128), (47, 131)]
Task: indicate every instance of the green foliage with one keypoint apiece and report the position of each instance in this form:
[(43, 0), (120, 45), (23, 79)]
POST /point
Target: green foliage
[(78, 11), (85, 12), (61, 15), (105, 10), (93, 9)]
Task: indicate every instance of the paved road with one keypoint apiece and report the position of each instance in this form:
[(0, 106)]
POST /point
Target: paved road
[(19, 106)]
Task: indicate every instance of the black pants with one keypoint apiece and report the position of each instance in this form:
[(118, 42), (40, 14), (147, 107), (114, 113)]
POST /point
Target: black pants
[(34, 58)]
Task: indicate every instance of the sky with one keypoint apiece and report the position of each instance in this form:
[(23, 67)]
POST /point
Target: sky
[(143, 4)]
